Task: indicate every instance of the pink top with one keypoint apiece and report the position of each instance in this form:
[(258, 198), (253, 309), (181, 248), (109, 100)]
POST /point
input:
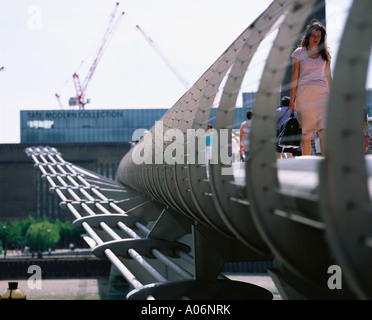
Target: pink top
[(312, 71)]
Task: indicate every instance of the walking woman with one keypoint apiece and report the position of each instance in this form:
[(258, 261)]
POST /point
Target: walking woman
[(311, 80)]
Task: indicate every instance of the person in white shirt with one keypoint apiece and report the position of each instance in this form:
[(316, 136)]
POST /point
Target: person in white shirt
[(245, 130)]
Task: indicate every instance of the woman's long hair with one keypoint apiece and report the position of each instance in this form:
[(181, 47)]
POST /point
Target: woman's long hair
[(323, 47)]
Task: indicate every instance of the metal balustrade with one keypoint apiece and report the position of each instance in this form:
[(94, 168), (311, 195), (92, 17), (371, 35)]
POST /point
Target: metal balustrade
[(169, 226), (119, 220)]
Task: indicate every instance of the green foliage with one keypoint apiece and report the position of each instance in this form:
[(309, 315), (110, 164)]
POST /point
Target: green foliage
[(25, 224), (14, 233), (34, 233), (67, 229), (3, 227), (11, 233), (42, 235)]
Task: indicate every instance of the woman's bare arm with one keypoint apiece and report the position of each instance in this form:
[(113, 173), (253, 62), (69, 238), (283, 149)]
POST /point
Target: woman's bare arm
[(294, 81)]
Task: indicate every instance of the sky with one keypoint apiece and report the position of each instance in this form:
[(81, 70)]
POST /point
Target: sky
[(44, 42)]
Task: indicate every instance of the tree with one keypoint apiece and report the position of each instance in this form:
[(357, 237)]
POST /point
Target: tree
[(14, 234), (25, 224), (3, 234), (3, 227), (42, 235), (68, 232)]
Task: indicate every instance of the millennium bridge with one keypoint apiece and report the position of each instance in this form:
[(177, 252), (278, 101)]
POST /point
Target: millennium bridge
[(169, 223)]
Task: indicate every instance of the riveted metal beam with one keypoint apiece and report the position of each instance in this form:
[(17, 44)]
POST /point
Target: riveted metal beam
[(344, 175)]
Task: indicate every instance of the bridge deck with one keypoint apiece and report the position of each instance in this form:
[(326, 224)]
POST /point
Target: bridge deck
[(298, 175)]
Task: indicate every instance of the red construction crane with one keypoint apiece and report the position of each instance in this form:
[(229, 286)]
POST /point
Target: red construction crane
[(81, 88), (164, 58), (59, 101)]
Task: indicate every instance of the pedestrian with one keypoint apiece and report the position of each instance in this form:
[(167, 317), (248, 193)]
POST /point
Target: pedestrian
[(245, 130), (316, 139), (310, 84), (283, 114), (366, 130), (235, 148), (208, 145)]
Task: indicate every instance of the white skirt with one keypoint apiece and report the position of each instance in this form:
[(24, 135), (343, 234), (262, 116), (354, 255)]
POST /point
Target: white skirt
[(311, 101)]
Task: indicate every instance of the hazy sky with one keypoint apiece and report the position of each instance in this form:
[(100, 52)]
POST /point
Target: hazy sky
[(43, 42)]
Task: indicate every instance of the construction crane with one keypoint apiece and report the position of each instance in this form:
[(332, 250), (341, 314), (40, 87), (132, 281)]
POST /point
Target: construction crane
[(59, 100), (164, 58), (81, 88)]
